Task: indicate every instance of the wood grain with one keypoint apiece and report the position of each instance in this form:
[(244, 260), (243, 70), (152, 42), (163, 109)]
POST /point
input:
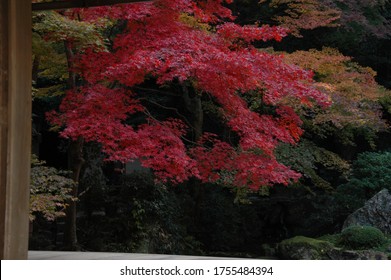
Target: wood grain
[(15, 139)]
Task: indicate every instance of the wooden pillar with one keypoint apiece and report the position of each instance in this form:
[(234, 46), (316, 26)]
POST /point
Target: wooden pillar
[(15, 126)]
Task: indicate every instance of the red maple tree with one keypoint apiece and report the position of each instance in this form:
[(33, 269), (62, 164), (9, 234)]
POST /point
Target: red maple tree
[(197, 45)]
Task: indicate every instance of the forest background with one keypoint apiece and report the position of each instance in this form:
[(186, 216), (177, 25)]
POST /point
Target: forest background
[(227, 164)]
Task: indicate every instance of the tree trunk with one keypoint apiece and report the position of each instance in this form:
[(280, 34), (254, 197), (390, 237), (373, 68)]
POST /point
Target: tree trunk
[(70, 57), (193, 105), (75, 163)]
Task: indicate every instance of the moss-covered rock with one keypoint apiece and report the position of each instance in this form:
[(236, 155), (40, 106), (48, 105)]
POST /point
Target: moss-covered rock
[(329, 247), (361, 237), (341, 254), (304, 248)]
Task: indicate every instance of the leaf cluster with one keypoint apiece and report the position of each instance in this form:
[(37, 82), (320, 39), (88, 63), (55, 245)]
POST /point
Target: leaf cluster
[(297, 15), (52, 61), (353, 90), (55, 27), (49, 191)]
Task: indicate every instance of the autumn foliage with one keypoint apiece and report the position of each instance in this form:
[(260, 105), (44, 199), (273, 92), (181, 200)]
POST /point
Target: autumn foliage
[(194, 44), (351, 87), (299, 15)]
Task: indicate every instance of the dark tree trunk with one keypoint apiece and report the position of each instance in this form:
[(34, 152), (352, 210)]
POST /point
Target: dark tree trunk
[(70, 57), (75, 163), (193, 104)]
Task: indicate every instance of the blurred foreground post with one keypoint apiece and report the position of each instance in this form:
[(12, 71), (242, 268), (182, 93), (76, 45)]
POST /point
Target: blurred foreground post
[(15, 126)]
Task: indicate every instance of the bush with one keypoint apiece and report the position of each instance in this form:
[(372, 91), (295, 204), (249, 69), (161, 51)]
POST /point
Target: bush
[(361, 237), (371, 173)]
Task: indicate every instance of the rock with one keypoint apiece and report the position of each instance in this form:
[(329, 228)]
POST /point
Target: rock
[(376, 212), (304, 248), (340, 254), (371, 255)]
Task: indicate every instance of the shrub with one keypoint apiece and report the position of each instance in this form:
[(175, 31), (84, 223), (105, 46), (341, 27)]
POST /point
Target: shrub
[(361, 237), (370, 174)]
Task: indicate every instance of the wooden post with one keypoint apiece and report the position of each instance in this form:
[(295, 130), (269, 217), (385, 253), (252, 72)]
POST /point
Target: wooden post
[(15, 126)]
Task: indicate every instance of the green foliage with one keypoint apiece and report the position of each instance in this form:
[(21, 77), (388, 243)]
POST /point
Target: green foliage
[(57, 28), (309, 159), (304, 240), (49, 191), (50, 70), (371, 173), (373, 169), (361, 237), (50, 31), (332, 238), (51, 58)]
